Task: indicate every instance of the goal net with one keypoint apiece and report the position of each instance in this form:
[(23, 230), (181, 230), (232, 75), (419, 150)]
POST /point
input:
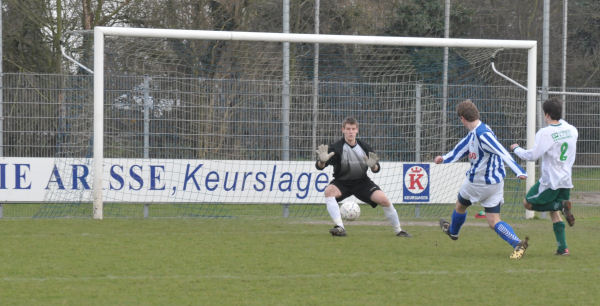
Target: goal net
[(207, 123)]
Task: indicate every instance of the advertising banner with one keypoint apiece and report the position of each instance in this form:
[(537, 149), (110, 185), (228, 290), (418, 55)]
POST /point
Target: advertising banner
[(212, 181)]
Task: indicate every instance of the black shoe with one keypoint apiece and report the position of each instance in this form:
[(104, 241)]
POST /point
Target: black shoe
[(403, 234), (337, 231), (519, 250), (566, 210), (445, 225), (562, 253)]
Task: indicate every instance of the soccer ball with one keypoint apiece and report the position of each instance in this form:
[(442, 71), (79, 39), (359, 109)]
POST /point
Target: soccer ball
[(350, 211)]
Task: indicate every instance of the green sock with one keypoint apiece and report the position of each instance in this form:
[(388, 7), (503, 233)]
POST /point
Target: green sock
[(552, 206), (559, 233)]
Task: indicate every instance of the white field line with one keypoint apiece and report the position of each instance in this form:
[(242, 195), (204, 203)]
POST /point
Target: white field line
[(287, 276), (385, 223)]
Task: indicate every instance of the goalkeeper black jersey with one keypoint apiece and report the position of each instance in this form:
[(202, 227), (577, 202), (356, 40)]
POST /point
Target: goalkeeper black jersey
[(349, 161)]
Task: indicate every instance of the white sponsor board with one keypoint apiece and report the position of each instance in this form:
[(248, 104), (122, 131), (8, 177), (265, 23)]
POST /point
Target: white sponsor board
[(206, 181)]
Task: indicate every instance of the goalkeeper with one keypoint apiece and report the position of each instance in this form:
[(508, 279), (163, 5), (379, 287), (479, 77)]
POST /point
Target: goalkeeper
[(351, 158)]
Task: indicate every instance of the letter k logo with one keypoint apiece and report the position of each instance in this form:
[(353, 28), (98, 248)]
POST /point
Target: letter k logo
[(415, 179)]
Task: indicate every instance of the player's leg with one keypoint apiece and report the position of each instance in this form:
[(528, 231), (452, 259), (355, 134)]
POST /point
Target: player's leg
[(467, 195), (506, 232), (389, 211), (540, 199), (368, 192), (564, 194), (332, 192), (503, 229), (379, 197), (492, 198), (558, 226), (459, 215)]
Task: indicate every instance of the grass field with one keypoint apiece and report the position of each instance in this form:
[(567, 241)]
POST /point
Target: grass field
[(279, 261)]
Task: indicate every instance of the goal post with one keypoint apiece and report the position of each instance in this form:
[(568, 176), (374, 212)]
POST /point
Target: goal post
[(98, 125), (100, 33)]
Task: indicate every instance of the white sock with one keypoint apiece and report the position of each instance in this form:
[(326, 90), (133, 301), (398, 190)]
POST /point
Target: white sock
[(392, 215), (334, 211)]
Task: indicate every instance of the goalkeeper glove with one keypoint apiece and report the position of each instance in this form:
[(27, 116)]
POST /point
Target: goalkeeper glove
[(322, 154), (372, 159)]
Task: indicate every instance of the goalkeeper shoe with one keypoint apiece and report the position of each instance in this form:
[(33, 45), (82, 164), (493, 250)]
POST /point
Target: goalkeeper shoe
[(562, 252), (519, 250), (337, 231), (403, 234), (445, 225), (566, 210)]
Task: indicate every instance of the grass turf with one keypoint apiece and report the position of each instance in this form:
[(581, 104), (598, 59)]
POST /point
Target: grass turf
[(249, 261)]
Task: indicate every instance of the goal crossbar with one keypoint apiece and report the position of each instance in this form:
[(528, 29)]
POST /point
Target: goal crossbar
[(317, 38), (101, 32)]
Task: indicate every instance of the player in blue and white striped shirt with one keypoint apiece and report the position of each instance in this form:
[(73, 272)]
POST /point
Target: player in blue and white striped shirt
[(484, 182)]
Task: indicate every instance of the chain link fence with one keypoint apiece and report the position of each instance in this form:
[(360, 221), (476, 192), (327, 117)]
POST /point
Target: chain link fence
[(191, 118)]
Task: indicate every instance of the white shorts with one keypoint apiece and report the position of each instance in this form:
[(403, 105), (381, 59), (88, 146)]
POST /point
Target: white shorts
[(488, 195)]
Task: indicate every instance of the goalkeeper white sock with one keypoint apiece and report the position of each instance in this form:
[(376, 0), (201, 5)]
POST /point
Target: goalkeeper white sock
[(334, 211), (392, 215)]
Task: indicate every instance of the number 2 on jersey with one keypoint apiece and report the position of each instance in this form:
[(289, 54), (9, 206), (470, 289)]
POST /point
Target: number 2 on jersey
[(563, 151)]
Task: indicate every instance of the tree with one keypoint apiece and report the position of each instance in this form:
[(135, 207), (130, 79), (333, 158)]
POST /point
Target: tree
[(426, 19), (585, 39), (28, 38), (35, 29)]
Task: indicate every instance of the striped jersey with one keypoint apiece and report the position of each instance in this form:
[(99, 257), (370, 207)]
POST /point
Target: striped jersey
[(556, 145), (486, 155)]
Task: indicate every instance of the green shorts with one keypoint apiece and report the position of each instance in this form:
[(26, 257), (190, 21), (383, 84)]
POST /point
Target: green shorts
[(547, 196)]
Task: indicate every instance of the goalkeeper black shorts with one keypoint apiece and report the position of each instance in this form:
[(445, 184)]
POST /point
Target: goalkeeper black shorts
[(362, 189)]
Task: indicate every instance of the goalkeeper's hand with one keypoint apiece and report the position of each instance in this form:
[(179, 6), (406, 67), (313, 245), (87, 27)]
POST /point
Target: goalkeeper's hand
[(372, 159), (322, 154)]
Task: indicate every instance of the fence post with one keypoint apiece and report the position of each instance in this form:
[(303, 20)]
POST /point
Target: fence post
[(147, 105), (286, 210), (1, 96), (418, 88)]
